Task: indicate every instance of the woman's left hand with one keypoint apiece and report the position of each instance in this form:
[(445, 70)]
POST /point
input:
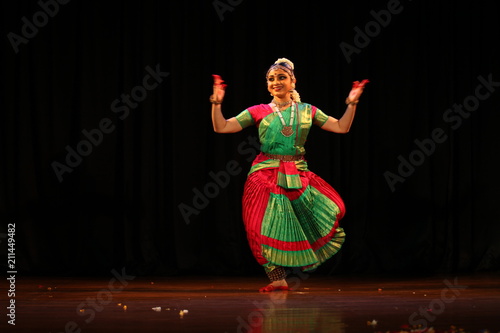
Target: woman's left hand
[(356, 91)]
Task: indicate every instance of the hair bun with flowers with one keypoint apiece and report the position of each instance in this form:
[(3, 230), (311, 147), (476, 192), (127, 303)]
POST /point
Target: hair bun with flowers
[(286, 61), (288, 66)]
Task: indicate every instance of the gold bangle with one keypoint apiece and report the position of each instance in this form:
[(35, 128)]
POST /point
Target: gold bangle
[(349, 102), (213, 101)]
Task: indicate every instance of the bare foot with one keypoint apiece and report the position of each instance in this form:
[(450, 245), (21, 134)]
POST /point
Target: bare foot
[(279, 283), (275, 285)]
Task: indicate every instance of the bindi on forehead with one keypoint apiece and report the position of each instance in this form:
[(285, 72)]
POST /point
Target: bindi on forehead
[(276, 72)]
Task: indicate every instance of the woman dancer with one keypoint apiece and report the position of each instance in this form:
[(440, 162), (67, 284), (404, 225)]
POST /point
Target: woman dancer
[(291, 215)]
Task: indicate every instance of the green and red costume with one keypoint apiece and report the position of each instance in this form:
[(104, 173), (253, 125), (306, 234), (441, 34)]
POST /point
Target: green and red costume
[(291, 215)]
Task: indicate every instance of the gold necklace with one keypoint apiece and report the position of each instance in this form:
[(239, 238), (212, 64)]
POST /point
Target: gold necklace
[(286, 130)]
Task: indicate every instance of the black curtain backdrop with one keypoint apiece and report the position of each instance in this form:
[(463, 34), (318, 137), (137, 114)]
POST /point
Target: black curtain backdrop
[(109, 159)]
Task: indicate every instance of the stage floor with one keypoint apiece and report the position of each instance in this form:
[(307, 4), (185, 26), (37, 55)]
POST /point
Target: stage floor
[(124, 303)]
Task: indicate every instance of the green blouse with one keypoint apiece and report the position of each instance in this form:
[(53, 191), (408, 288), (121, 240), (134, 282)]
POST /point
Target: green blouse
[(270, 126)]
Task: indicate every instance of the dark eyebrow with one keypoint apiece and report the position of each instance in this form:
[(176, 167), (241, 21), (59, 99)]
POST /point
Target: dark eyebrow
[(272, 75), (279, 74)]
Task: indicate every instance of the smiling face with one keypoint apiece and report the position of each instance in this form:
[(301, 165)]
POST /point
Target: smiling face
[(279, 83)]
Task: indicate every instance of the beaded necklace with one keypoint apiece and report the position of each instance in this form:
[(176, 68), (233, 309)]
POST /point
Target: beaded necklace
[(286, 130)]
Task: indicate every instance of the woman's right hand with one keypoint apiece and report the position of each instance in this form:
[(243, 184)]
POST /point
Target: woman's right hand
[(219, 90)]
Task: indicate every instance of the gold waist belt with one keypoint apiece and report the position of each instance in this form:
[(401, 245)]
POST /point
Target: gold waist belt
[(285, 158)]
